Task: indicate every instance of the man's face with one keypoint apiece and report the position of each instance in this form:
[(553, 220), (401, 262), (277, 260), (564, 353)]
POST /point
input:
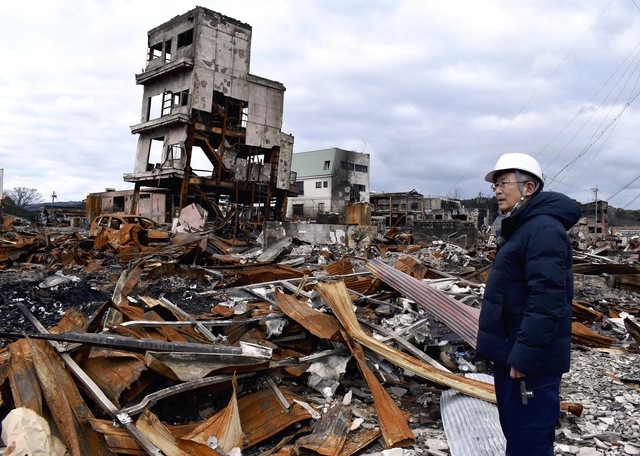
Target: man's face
[(509, 194)]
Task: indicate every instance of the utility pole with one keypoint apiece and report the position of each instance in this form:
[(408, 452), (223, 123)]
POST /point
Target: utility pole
[(595, 192), (53, 197)]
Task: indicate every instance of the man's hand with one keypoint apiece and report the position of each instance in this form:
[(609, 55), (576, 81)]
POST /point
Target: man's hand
[(515, 373)]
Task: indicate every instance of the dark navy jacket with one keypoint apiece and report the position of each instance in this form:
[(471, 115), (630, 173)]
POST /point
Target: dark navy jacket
[(525, 320)]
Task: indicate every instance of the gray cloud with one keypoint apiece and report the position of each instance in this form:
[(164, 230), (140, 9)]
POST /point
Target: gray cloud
[(434, 91)]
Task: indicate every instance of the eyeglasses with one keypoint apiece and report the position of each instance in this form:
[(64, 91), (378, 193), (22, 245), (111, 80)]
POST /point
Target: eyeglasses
[(504, 183)]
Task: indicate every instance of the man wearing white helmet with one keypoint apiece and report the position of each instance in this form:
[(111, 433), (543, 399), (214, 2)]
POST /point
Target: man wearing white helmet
[(525, 320)]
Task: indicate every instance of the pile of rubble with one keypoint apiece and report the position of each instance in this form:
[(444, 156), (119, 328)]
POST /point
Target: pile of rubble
[(214, 346)]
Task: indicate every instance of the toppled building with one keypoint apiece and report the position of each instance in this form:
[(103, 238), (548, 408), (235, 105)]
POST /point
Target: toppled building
[(209, 129), (594, 217), (398, 208), (327, 181)]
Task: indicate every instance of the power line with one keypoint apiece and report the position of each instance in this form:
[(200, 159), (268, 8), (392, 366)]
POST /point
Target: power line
[(626, 186), (600, 106), (532, 96), (591, 143)]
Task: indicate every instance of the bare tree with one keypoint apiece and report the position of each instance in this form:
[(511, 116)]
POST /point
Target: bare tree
[(456, 194), (23, 196)]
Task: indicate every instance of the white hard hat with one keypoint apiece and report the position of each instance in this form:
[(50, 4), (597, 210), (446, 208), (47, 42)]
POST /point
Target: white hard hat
[(521, 162)]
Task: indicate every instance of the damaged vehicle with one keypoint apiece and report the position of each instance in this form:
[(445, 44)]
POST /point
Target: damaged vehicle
[(112, 226)]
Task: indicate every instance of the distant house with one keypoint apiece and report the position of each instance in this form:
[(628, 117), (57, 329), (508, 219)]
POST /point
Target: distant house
[(158, 204), (327, 181)]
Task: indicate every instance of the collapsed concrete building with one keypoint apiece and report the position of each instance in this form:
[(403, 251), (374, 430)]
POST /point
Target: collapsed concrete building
[(210, 131)]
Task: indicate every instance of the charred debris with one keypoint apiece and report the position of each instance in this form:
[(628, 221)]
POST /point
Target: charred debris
[(205, 345)]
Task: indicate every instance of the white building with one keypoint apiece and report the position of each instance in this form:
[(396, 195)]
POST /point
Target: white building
[(327, 181)]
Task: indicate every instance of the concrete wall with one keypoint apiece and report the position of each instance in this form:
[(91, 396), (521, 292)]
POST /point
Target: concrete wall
[(319, 234)]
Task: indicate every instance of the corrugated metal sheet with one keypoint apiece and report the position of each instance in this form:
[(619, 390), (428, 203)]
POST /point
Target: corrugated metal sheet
[(457, 316), (472, 426)]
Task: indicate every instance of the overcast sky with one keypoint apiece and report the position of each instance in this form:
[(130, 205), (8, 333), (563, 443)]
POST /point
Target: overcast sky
[(434, 91)]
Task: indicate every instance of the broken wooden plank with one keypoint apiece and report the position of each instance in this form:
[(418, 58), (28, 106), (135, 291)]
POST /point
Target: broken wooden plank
[(584, 314), (358, 441), (633, 329), (336, 295), (582, 335)]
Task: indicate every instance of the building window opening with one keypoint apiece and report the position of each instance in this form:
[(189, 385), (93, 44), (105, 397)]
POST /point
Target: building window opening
[(155, 52), (244, 117), (118, 205), (155, 107), (360, 187), (326, 164), (155, 153), (320, 207), (167, 51), (167, 103), (325, 184), (300, 185), (318, 184), (174, 155), (185, 38), (180, 99), (298, 209), (353, 167)]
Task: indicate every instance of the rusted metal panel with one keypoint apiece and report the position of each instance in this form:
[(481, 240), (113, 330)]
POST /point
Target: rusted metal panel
[(457, 316), (336, 295), (117, 439), (341, 267), (394, 427), (317, 323), (257, 274), (150, 426), (115, 371), (65, 403), (224, 425), (262, 416), (25, 387), (412, 267), (329, 434), (362, 285)]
